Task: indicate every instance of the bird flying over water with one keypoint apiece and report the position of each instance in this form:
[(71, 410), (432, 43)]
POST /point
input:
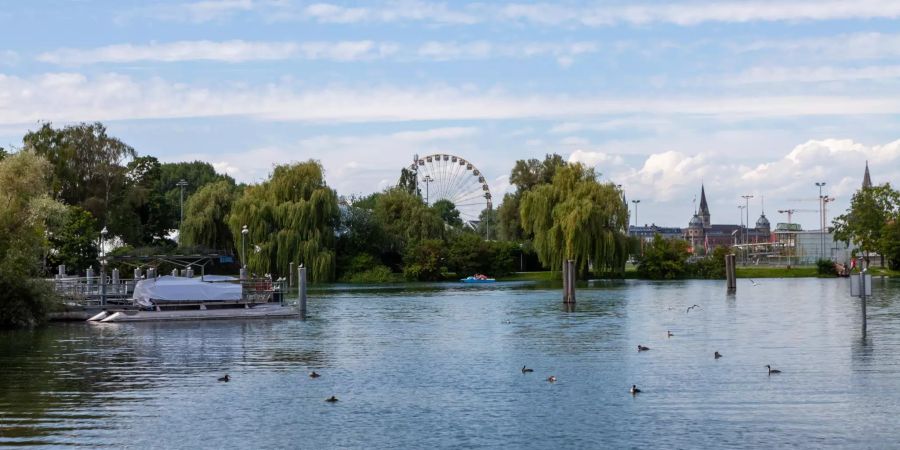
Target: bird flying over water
[(691, 307), (753, 282)]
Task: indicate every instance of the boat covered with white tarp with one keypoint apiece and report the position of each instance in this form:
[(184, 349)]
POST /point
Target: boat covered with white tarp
[(182, 289)]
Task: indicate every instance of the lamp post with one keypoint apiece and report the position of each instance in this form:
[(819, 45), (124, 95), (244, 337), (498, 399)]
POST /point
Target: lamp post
[(635, 213), (825, 200), (103, 234), (244, 232), (821, 221), (181, 184), (742, 233), (747, 211), (427, 181)]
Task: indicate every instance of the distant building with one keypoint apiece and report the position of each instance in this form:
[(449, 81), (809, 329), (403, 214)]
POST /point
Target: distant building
[(701, 233), (646, 232)]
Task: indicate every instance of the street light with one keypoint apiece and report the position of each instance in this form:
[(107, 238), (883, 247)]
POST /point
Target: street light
[(427, 181), (747, 208), (635, 212), (181, 184), (821, 221), (103, 234), (244, 232), (742, 233)]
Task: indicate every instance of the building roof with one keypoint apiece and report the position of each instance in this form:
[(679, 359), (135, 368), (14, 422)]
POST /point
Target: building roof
[(762, 222)]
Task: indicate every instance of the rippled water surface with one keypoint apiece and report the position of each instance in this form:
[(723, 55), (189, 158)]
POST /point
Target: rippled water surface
[(419, 367)]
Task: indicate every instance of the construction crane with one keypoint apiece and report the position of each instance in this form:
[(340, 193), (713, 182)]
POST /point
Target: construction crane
[(791, 211)]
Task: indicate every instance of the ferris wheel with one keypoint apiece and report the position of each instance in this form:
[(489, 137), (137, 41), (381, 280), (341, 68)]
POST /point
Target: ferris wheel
[(448, 177)]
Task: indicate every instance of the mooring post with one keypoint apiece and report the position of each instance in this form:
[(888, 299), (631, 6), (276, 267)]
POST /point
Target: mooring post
[(301, 281), (62, 270), (862, 298), (90, 279), (568, 276), (103, 285), (730, 275), (291, 274)]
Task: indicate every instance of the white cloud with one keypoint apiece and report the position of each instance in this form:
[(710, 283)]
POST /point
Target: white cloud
[(73, 96), (847, 46), (436, 134), (813, 74), (594, 159), (396, 11), (563, 53), (227, 51)]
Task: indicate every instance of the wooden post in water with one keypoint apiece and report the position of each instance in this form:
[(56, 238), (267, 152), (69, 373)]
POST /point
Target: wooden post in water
[(862, 299), (301, 282), (568, 276), (730, 275), (290, 275)]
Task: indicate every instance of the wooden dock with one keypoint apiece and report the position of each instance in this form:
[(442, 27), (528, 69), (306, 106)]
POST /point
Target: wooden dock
[(262, 311)]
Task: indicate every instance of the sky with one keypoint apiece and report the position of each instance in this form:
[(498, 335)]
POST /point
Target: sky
[(761, 98)]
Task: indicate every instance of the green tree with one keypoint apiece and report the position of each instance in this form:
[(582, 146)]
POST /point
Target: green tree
[(446, 210), (890, 243), (576, 217), (468, 254), (525, 176), (406, 219), (408, 182), (206, 217), (290, 218), (664, 259), (75, 243), (424, 259), (143, 217), (196, 173), (3, 153), (25, 209), (871, 209), (488, 224), (87, 164)]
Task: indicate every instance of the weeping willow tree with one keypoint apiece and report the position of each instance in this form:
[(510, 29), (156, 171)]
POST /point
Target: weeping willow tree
[(289, 218), (576, 217), (206, 217)]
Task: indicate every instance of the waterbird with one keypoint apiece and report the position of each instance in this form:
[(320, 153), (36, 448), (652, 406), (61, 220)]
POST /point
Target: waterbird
[(226, 378), (641, 348), (691, 307), (331, 399), (526, 370), (771, 370), (313, 374), (753, 282), (552, 378), (717, 355), (669, 334), (634, 389)]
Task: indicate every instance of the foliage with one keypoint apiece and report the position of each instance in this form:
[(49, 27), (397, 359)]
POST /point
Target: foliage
[(871, 209), (206, 217), (3, 153), (712, 266), (525, 176), (469, 254), (86, 165), (446, 210), (576, 217), (146, 217), (75, 243), (664, 259), (487, 224), (508, 225), (196, 173), (826, 267), (364, 268), (359, 234), (890, 243), (290, 218), (406, 219), (25, 210), (408, 182), (424, 259)]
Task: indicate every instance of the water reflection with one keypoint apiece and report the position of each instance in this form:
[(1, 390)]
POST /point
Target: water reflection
[(440, 366)]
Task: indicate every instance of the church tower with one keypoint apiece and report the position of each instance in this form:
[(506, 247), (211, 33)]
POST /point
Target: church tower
[(867, 180), (704, 208)]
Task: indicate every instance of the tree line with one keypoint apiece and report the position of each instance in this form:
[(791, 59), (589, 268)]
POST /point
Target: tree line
[(66, 184)]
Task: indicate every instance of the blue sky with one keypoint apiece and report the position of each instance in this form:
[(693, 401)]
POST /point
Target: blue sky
[(750, 97)]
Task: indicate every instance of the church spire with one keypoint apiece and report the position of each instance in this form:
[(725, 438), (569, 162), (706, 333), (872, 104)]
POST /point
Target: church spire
[(704, 208), (867, 180)]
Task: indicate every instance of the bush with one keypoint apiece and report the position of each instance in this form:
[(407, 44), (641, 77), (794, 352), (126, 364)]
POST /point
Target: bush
[(25, 302), (826, 267), (664, 259), (710, 267), (377, 274), (423, 260)]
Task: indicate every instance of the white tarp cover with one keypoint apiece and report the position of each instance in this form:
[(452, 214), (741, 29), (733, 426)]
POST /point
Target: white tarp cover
[(169, 288)]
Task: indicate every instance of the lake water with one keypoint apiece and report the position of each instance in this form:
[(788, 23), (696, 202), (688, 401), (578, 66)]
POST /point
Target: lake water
[(429, 366)]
